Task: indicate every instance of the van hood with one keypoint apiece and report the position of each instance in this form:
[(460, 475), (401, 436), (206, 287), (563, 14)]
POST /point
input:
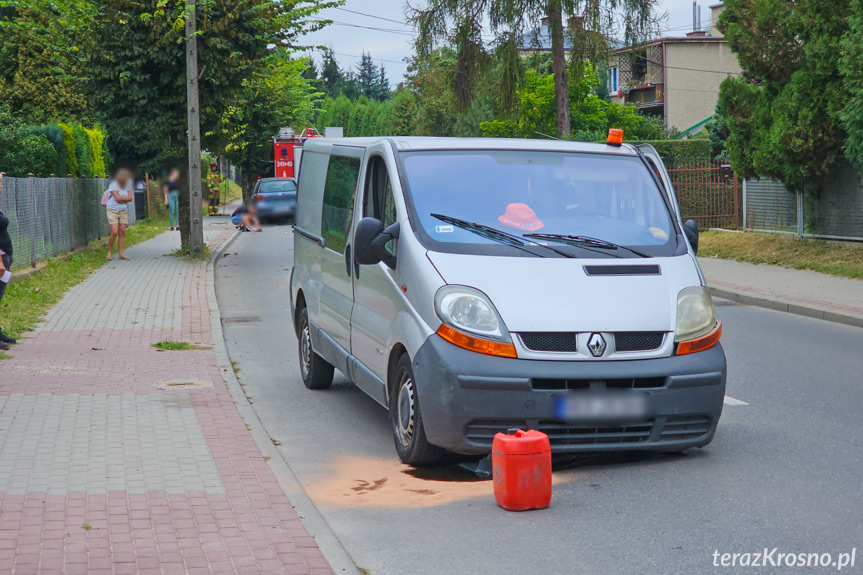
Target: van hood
[(557, 294)]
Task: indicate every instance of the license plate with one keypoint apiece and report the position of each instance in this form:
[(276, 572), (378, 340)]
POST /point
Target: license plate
[(602, 407)]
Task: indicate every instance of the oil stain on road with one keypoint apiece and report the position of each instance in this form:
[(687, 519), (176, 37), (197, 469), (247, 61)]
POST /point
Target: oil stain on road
[(373, 482)]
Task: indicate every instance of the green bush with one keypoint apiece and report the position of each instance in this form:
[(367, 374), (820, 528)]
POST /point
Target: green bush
[(54, 134), (71, 155), (23, 152), (676, 152), (83, 150), (96, 139), (363, 117), (51, 149)]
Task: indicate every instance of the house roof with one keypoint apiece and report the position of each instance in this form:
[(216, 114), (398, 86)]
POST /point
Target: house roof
[(540, 39), (674, 40)]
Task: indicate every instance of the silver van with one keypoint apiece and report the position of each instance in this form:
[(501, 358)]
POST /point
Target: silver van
[(472, 286)]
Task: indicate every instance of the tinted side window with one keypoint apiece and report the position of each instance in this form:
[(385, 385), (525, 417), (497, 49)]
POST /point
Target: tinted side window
[(313, 173), (339, 191)]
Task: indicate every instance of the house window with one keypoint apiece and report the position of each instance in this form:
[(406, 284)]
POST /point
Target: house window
[(639, 67), (612, 80)]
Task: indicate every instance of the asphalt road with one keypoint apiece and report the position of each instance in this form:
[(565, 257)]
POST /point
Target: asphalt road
[(784, 470)]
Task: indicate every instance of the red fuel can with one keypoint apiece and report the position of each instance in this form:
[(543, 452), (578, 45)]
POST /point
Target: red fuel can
[(521, 470)]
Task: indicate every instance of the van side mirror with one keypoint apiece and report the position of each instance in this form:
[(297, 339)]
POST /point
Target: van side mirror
[(690, 228), (370, 242)]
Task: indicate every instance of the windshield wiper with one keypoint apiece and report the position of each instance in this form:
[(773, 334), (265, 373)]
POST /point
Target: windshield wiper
[(585, 242), (496, 235)]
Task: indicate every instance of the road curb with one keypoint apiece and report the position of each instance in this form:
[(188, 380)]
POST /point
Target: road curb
[(332, 549), (784, 306)]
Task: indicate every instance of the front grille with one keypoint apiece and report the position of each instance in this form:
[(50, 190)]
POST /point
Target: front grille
[(559, 341), (565, 434), (567, 384), (565, 341), (482, 432), (638, 340), (676, 428), (685, 427)]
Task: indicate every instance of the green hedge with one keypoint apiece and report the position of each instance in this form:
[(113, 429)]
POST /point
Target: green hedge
[(53, 149), (71, 154), (85, 150), (675, 152), (23, 152), (96, 138)]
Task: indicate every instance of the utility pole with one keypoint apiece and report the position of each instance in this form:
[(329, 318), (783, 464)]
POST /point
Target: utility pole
[(196, 227)]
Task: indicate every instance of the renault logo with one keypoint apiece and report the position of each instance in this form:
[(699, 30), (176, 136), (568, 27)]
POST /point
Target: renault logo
[(596, 344)]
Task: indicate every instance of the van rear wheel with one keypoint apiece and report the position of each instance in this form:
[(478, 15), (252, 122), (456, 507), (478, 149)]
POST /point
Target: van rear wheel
[(407, 422), (317, 373)]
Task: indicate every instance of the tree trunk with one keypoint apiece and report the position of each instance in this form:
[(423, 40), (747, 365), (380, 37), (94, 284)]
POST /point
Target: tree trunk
[(247, 182), (558, 65)]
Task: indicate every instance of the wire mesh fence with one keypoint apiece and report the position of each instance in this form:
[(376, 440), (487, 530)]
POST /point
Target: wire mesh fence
[(51, 216), (769, 207), (835, 211)]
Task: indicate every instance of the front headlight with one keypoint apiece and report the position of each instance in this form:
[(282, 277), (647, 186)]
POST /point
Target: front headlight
[(469, 310), (695, 314)]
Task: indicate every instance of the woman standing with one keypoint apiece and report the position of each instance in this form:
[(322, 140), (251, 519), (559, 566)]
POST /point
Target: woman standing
[(171, 195), (5, 266), (118, 210)]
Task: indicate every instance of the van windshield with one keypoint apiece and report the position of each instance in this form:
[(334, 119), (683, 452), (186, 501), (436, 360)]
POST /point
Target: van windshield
[(606, 197)]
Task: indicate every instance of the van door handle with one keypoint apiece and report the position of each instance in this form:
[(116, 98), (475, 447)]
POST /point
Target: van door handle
[(348, 259)]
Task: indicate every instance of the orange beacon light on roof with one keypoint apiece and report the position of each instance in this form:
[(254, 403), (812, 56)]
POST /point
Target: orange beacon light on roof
[(615, 137)]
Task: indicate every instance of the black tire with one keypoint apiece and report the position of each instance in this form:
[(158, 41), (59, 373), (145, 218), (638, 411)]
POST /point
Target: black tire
[(316, 372), (407, 422)]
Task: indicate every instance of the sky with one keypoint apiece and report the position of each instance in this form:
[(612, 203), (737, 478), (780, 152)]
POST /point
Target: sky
[(389, 40)]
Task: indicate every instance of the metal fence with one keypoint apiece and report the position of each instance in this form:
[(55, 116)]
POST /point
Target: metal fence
[(51, 216), (835, 212), (769, 207), (708, 193)]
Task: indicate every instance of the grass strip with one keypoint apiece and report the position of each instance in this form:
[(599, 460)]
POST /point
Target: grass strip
[(830, 257), (173, 346)]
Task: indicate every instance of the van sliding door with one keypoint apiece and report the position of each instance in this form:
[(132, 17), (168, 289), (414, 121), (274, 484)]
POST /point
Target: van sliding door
[(336, 285)]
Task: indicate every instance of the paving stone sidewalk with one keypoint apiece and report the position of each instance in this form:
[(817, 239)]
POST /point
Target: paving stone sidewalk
[(117, 458), (802, 292)]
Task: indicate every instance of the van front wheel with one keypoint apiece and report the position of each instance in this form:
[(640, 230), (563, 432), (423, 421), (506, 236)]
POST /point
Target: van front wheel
[(316, 372), (406, 417)]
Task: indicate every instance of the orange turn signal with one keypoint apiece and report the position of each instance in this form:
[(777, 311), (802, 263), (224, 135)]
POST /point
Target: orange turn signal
[(702, 343), (615, 137), (476, 344)]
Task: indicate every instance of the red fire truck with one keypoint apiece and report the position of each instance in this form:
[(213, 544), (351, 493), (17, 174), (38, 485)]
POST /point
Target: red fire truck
[(288, 148)]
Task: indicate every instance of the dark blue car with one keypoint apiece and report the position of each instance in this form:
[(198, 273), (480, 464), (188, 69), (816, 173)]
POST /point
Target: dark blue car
[(276, 198)]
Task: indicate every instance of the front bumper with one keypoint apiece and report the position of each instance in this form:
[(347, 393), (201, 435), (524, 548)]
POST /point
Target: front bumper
[(467, 397)]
